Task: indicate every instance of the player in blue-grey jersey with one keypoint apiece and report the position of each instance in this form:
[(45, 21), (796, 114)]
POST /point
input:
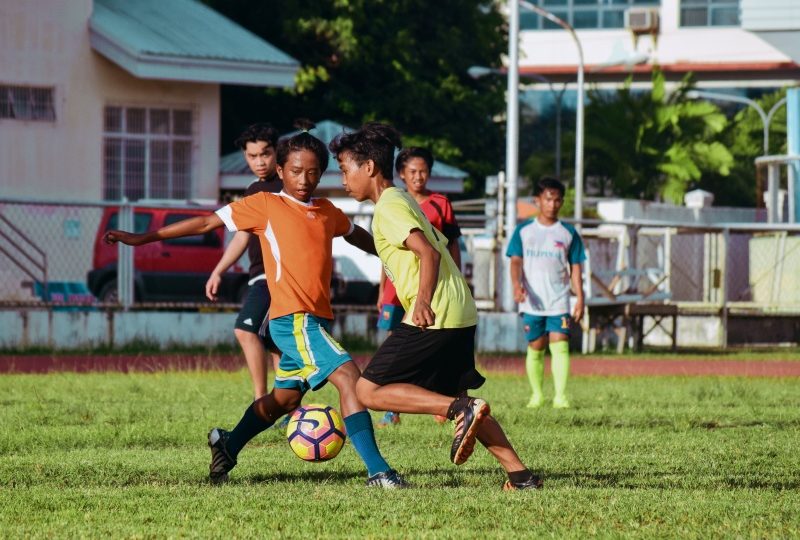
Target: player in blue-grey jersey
[(546, 256)]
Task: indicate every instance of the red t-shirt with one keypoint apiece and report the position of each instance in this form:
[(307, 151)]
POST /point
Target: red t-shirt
[(439, 211)]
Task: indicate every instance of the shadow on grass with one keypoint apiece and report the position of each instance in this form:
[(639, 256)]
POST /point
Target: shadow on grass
[(443, 477), (669, 480)]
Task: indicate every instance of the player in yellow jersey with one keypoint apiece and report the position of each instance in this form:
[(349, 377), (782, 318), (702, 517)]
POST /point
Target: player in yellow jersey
[(427, 365)]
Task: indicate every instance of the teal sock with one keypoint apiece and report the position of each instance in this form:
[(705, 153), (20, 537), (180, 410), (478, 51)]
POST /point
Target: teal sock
[(534, 367), (362, 435), (560, 367), (248, 427)]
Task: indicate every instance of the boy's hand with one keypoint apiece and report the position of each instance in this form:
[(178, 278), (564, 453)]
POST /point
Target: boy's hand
[(212, 286), (577, 313), (112, 237), (519, 294), (423, 315)]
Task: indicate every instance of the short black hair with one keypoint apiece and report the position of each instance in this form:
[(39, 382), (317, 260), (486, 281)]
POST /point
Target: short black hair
[(257, 132), (413, 152), (375, 141), (548, 182), (303, 141)]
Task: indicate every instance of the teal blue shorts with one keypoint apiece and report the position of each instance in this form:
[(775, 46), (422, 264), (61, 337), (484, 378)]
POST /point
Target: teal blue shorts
[(535, 326), (310, 354)]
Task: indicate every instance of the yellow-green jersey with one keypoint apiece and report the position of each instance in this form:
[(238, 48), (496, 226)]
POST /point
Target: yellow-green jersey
[(396, 215)]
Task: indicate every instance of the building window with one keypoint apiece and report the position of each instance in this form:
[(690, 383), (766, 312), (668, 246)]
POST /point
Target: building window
[(147, 153), (581, 14), (710, 13), (27, 103)]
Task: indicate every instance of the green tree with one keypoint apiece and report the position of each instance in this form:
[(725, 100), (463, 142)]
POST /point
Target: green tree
[(744, 136), (653, 145), (401, 61)]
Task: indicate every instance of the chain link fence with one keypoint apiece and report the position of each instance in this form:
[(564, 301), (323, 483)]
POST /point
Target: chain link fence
[(53, 254)]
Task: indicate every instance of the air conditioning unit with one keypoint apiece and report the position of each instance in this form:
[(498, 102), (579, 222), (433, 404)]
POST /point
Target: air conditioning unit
[(642, 20)]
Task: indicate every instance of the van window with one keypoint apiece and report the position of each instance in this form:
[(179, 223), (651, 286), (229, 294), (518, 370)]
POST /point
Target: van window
[(141, 222), (210, 239)]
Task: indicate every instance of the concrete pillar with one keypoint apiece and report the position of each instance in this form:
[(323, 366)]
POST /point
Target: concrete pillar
[(793, 148)]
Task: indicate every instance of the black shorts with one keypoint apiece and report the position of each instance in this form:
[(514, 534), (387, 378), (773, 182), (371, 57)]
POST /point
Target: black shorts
[(442, 361), (253, 315)]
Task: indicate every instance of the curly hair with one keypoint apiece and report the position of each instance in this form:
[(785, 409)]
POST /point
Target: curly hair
[(303, 141), (375, 141), (257, 132)]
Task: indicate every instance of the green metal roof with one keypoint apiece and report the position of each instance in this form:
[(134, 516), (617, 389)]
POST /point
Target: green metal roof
[(326, 130), (185, 40)]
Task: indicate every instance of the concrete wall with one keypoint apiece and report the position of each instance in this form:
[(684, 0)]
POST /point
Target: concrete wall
[(497, 332), (46, 43)]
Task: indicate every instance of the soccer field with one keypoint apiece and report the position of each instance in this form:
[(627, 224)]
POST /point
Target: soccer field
[(125, 455)]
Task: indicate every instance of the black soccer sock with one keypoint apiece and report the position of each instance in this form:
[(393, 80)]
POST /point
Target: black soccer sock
[(519, 477), (258, 417), (455, 406)]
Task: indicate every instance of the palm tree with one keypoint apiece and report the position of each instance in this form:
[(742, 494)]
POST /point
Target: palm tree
[(651, 145)]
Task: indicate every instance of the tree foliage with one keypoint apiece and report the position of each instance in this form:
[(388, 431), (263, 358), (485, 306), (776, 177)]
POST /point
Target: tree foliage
[(401, 61), (654, 145), (744, 136)]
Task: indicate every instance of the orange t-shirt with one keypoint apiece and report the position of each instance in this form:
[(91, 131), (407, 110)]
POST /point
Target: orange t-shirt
[(296, 240)]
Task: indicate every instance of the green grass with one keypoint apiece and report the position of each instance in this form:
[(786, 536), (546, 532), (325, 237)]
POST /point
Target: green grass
[(119, 455)]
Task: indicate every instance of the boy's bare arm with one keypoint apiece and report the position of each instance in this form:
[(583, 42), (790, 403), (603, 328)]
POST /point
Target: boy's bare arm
[(362, 240), (577, 287), (429, 258), (516, 279), (233, 252), (187, 227)]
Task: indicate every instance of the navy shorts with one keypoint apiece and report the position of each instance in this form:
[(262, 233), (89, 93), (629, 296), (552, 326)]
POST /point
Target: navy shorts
[(253, 315), (535, 326)]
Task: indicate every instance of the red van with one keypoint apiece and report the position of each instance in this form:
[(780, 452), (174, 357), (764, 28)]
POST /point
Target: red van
[(173, 270)]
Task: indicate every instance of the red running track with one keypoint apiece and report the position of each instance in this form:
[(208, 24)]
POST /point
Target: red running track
[(581, 365)]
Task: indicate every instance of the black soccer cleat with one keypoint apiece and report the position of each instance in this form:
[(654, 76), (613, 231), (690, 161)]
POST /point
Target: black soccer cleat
[(221, 460), (387, 480), (534, 482), (467, 422)]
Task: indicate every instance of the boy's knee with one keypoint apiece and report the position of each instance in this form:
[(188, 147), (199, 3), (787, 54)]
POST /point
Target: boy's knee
[(365, 392), (244, 336)]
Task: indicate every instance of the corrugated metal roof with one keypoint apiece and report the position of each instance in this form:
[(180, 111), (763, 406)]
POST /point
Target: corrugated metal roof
[(181, 28), (326, 130)]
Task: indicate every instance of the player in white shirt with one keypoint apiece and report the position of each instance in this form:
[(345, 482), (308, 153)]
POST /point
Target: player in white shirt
[(546, 256)]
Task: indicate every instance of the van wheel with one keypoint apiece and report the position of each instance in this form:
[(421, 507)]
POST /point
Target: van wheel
[(108, 292)]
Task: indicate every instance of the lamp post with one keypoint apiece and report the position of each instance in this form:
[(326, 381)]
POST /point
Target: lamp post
[(476, 72), (773, 177), (766, 117), (579, 110)]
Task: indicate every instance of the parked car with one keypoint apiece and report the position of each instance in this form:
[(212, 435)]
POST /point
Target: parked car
[(173, 270)]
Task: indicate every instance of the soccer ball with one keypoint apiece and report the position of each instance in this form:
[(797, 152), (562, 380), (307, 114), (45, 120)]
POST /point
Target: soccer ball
[(316, 432)]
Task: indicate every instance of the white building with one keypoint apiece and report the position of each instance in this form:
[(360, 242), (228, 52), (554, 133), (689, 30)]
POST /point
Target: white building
[(724, 43), (105, 98)]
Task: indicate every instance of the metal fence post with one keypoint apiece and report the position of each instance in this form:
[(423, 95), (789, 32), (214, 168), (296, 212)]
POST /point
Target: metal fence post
[(726, 238), (125, 258)]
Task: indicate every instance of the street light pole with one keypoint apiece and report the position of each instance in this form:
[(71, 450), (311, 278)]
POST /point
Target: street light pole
[(766, 118), (579, 110), (512, 143), (476, 72)]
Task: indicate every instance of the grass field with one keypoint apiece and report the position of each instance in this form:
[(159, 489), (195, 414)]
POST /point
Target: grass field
[(118, 455)]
